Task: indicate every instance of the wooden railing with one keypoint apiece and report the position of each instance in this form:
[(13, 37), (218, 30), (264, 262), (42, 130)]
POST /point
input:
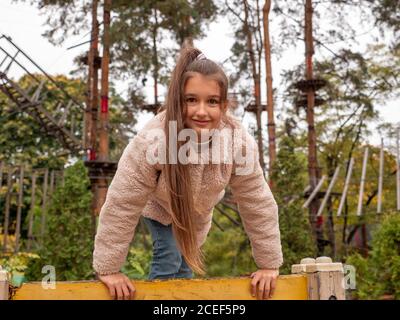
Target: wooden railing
[(312, 279)]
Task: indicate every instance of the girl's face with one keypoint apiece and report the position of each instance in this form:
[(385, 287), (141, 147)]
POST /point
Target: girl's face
[(204, 108)]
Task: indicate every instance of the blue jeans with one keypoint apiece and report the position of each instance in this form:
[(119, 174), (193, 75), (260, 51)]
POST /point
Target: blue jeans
[(167, 261)]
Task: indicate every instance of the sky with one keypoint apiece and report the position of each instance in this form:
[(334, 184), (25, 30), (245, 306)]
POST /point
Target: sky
[(25, 25)]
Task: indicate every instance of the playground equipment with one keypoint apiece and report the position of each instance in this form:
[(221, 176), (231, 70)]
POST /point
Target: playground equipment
[(30, 100), (316, 192), (312, 279)]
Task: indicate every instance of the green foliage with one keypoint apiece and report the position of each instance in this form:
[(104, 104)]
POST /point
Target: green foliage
[(17, 262), (68, 240), (227, 252), (289, 179), (379, 273), (137, 265)]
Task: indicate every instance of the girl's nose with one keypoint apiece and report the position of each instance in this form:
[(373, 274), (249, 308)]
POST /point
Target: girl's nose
[(201, 110)]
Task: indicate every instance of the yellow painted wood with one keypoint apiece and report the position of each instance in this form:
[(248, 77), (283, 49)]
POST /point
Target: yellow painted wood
[(291, 287)]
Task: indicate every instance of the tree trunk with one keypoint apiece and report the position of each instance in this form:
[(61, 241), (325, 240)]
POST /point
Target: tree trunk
[(270, 99), (257, 81), (155, 58), (313, 172)]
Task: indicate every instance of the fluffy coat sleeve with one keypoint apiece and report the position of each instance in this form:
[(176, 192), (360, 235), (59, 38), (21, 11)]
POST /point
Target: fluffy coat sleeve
[(257, 206), (127, 194)]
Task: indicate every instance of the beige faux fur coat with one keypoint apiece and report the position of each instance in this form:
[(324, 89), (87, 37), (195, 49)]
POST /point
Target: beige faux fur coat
[(138, 188)]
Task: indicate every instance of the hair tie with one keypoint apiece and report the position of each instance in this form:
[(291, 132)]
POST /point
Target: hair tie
[(201, 56)]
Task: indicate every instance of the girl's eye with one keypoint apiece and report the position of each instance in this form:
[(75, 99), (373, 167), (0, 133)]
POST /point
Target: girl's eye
[(213, 101), (190, 100)]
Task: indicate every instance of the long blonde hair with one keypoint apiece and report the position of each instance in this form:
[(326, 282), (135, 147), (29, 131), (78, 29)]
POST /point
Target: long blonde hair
[(178, 175)]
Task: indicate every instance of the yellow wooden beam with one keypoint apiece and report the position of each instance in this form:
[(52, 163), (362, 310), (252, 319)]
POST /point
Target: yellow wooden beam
[(291, 287)]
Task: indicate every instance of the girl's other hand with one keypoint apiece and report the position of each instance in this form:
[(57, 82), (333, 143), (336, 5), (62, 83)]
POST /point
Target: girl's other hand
[(266, 280), (119, 285)]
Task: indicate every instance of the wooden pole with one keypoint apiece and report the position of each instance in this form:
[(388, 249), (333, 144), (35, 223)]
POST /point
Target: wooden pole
[(328, 192), (313, 170), (104, 115), (44, 204), (19, 208), (380, 183), (346, 186), (7, 207), (1, 174), (325, 279), (256, 80), (31, 211), (270, 99), (51, 190), (398, 169), (362, 183), (314, 192)]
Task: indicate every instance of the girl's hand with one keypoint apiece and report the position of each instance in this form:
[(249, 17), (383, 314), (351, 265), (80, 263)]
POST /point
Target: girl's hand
[(266, 280), (119, 285)]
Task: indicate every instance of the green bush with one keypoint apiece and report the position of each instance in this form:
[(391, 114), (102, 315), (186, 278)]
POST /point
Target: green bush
[(289, 181), (378, 274), (68, 240)]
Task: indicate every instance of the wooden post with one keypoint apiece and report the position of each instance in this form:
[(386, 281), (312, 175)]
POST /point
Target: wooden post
[(7, 207), (328, 192), (104, 114), (325, 280), (44, 204), (313, 169), (314, 193), (380, 183), (4, 284), (51, 184), (398, 169), (270, 99), (31, 211), (346, 186), (19, 208), (362, 183), (1, 174)]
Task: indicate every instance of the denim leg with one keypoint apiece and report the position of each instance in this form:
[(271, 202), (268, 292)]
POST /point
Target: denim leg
[(167, 260)]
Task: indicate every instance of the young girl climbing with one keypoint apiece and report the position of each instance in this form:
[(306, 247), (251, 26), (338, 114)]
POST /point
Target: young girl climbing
[(175, 184)]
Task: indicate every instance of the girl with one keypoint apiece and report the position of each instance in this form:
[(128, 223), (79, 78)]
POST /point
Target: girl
[(176, 198)]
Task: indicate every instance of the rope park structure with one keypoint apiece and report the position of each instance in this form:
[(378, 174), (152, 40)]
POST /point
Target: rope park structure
[(89, 140)]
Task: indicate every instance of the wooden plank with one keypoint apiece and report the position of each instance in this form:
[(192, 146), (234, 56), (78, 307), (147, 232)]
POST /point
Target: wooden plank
[(346, 186), (362, 183), (326, 285), (44, 203), (19, 208), (328, 192), (314, 193), (290, 287), (31, 211), (7, 208)]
